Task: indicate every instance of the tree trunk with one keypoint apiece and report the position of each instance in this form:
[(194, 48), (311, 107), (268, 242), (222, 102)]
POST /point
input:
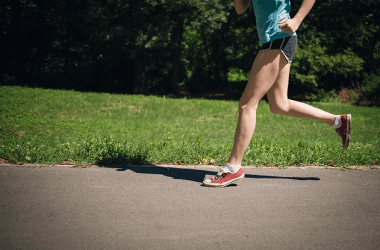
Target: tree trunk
[(66, 46), (176, 55), (16, 47), (140, 84)]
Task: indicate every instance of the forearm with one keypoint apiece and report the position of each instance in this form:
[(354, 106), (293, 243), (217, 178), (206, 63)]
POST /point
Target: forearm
[(304, 10), (241, 5)]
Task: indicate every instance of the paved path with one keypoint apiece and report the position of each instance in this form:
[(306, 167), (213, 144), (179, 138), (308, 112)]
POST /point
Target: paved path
[(157, 208)]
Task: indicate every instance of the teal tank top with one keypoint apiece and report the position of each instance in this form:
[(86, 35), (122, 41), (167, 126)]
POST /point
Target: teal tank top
[(268, 13)]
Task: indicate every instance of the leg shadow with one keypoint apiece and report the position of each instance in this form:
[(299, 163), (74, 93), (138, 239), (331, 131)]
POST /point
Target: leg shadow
[(196, 175)]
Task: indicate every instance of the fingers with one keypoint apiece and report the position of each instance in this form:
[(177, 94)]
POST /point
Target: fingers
[(283, 25), (287, 30), (287, 26)]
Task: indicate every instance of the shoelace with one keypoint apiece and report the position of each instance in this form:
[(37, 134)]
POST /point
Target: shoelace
[(337, 131), (219, 175)]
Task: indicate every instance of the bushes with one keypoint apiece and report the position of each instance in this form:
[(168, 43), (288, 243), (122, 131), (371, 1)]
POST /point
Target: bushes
[(371, 90), (315, 69)]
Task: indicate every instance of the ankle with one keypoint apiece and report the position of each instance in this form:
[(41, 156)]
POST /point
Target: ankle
[(232, 168), (234, 161), (337, 122)]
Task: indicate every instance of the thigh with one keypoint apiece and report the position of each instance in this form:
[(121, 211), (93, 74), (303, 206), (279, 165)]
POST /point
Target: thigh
[(278, 93), (264, 73)]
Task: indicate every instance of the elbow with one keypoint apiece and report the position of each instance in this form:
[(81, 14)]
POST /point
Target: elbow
[(241, 6), (239, 12)]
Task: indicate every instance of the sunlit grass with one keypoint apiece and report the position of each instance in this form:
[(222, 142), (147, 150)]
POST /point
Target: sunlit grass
[(52, 126)]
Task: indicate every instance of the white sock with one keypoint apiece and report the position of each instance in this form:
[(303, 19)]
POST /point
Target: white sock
[(337, 122), (232, 168)]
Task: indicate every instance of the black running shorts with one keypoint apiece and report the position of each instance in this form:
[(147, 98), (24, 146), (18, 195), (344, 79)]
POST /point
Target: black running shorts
[(287, 45)]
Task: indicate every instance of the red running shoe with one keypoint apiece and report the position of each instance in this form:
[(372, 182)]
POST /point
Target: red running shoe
[(345, 131), (223, 179)]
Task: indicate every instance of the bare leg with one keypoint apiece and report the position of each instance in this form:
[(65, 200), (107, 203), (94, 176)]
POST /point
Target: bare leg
[(281, 105), (269, 75), (264, 73)]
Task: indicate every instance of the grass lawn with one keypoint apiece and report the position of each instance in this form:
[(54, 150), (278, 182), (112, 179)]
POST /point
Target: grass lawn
[(55, 126)]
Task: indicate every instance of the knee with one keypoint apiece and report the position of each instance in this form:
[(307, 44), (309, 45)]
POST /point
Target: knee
[(247, 106), (279, 108)]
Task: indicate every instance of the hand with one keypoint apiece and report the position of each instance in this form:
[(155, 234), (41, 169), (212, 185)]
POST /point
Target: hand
[(289, 25)]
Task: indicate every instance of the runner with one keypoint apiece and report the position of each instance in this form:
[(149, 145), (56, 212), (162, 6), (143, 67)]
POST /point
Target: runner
[(270, 76)]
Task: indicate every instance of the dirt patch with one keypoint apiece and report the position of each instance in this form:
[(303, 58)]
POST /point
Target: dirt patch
[(134, 108), (349, 95), (4, 160), (356, 96)]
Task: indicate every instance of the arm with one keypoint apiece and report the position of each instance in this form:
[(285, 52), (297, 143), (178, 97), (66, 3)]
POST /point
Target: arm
[(291, 25), (241, 6)]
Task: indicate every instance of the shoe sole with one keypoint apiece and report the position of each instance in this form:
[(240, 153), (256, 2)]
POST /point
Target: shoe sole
[(348, 131), (225, 184)]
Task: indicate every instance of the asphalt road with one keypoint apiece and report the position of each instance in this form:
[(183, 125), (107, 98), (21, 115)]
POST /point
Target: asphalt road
[(157, 208)]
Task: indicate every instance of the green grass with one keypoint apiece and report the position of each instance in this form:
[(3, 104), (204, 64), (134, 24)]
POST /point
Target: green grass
[(52, 126)]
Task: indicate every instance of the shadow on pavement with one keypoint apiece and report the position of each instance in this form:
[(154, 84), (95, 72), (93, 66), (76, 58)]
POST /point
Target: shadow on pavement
[(197, 175)]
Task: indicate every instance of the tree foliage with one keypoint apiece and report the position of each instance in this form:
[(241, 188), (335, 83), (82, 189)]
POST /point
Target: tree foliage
[(168, 46)]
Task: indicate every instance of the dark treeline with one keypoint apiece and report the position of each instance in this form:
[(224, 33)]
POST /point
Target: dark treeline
[(173, 46)]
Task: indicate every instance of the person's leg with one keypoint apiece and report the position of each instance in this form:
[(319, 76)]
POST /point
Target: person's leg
[(264, 73), (281, 105), (269, 75)]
